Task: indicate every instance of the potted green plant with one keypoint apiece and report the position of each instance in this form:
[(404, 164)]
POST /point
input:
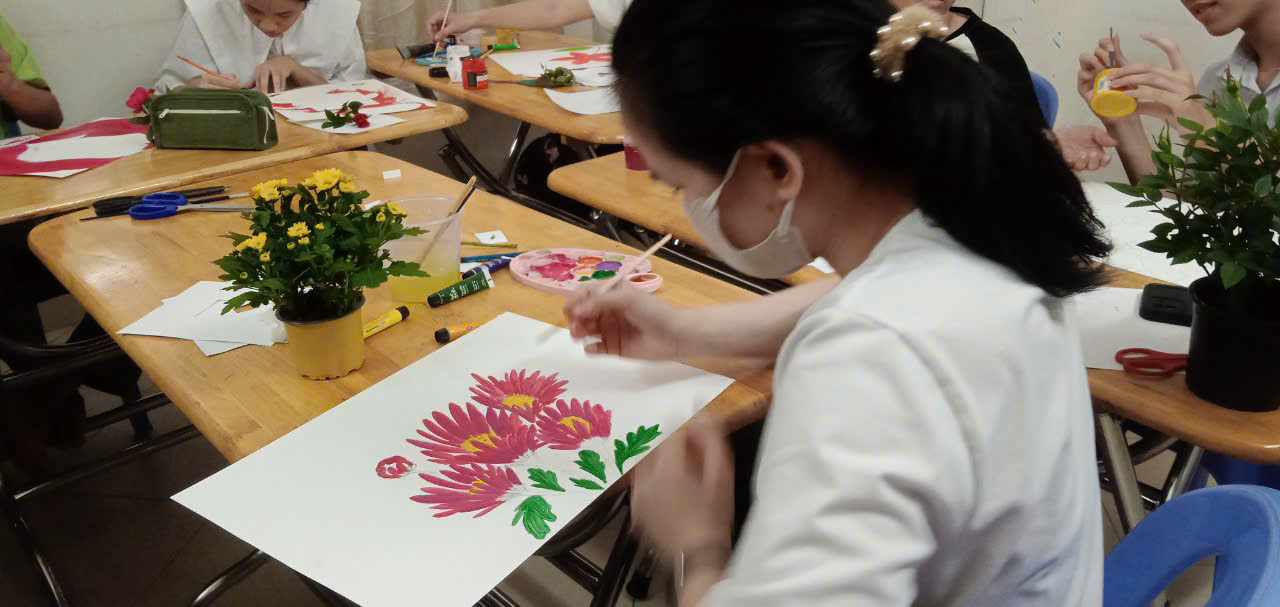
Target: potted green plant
[(1220, 197), (311, 251)]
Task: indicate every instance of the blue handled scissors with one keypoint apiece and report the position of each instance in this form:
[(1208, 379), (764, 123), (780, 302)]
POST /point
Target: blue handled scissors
[(149, 210)]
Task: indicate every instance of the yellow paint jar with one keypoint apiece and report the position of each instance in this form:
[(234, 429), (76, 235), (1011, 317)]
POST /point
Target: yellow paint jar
[(1109, 102)]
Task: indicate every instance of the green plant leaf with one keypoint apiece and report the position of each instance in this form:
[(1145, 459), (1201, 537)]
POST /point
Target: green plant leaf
[(1163, 229), (1125, 188), (369, 278), (536, 513), (590, 462), (1140, 203), (637, 443), (405, 268), (1263, 186), (1156, 245), (1232, 274), (237, 301), (587, 484), (544, 479), (1191, 125)]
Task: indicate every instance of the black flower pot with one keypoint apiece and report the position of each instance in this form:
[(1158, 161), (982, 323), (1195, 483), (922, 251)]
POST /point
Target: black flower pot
[(1234, 359)]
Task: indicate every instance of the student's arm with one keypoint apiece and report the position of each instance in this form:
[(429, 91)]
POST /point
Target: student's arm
[(33, 105), (527, 15), (176, 74), (636, 325)]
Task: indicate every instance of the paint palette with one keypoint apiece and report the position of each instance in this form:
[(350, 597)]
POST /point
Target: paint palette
[(565, 270)]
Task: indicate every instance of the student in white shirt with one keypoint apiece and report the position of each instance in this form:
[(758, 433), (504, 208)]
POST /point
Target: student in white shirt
[(531, 15), (269, 45), (1163, 91), (930, 440)]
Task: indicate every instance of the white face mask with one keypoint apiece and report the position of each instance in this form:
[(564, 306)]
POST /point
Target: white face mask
[(782, 252)]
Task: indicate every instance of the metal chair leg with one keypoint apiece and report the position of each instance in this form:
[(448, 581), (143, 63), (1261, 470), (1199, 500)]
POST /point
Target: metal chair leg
[(642, 579), (229, 578), (53, 590), (1115, 457), (615, 570)]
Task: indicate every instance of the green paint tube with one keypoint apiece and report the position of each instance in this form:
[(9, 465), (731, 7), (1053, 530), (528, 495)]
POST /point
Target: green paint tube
[(504, 47), (477, 282)]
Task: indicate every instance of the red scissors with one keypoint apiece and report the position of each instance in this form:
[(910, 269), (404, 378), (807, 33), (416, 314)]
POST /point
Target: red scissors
[(1142, 361)]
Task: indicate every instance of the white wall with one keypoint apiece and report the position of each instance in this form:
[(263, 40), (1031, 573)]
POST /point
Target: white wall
[(1052, 33)]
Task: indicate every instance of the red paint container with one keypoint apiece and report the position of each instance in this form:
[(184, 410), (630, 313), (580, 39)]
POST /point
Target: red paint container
[(475, 74), (635, 161)]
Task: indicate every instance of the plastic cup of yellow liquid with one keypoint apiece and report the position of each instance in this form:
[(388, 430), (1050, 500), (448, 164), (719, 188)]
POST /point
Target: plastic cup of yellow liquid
[(437, 250), (1109, 102)]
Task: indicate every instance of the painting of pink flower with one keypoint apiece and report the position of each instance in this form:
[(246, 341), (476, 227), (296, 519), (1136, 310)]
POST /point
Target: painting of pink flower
[(469, 488), (498, 437), (568, 425), (524, 395)]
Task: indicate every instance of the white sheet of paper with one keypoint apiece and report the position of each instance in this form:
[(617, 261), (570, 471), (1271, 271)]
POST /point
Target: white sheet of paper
[(376, 121), (320, 97), (494, 237), (196, 314), (595, 101), (1126, 228), (1108, 321), (534, 63), (312, 499), (596, 76), (212, 348), (112, 146), (392, 174), (823, 265)]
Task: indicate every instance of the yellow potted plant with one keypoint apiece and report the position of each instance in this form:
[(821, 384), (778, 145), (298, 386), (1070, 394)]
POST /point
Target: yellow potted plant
[(311, 251)]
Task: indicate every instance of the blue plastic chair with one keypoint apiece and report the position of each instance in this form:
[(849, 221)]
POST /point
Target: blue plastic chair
[(1239, 524), (1047, 96), (1227, 470)]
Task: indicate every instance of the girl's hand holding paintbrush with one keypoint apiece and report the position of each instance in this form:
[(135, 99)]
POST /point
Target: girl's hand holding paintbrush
[(626, 321)]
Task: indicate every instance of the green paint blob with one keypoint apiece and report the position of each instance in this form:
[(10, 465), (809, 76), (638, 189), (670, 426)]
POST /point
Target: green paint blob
[(603, 274)]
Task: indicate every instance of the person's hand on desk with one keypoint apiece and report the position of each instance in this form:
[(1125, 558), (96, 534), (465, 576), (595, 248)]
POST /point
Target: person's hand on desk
[(682, 505), (273, 75), (1084, 147), (221, 81)]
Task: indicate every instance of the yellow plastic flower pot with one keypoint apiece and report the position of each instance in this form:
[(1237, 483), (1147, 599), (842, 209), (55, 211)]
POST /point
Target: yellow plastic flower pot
[(327, 349)]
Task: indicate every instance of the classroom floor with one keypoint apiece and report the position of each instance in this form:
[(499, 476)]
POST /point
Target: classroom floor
[(116, 539)]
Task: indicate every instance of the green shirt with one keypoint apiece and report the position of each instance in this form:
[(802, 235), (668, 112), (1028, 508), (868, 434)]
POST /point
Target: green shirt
[(24, 65)]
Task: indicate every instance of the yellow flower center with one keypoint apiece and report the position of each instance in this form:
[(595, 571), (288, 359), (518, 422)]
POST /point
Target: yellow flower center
[(476, 486), (518, 401), (573, 420), (487, 439)]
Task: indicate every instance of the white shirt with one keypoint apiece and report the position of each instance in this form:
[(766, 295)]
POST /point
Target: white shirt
[(218, 35), (930, 443), (1243, 63), (609, 12)]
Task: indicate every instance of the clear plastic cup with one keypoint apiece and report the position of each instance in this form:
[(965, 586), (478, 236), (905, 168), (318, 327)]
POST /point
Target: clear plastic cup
[(437, 249)]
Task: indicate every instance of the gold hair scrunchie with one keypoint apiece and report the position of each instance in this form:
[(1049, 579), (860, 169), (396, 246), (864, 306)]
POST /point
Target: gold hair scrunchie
[(903, 32)]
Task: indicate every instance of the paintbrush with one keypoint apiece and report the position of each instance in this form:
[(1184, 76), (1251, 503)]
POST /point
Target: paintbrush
[(462, 201), (1111, 34), (201, 67), (617, 279), (443, 24), (465, 195)]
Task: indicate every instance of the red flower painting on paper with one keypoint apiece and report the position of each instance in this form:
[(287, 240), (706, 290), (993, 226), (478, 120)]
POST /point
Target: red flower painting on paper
[(524, 395), (469, 489), (577, 58), (568, 425), (498, 437)]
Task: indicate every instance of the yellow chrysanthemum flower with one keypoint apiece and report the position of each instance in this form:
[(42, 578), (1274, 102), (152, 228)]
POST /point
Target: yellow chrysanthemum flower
[(244, 275), (324, 179), (347, 187), (298, 229), (304, 240), (289, 246), (268, 190), (319, 226), (381, 216), (397, 209), (256, 242), (265, 257)]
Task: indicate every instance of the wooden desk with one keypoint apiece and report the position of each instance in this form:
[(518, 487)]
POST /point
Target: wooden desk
[(154, 170), (522, 102), (1163, 404), (121, 269), (607, 184)]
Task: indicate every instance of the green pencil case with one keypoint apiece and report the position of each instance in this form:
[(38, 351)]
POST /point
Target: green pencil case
[(212, 119)]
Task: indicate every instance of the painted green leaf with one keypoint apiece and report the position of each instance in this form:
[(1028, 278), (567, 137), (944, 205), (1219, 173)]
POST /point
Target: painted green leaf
[(591, 463), (544, 479), (587, 484), (637, 443), (536, 513)]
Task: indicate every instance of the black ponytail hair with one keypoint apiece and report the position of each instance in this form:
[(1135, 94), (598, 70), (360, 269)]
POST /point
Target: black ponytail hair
[(711, 76)]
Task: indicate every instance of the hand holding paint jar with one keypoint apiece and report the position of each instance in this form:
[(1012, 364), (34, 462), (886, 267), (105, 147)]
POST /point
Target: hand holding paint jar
[(1110, 101)]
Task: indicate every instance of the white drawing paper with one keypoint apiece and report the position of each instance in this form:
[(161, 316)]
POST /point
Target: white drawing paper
[(309, 103), (196, 314), (431, 486), (1126, 228), (1108, 322), (595, 101), (376, 121), (534, 63)]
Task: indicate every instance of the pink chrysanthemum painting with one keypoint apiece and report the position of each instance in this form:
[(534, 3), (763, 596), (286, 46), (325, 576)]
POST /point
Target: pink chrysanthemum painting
[(468, 489), (568, 425), (524, 395), (498, 437)]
